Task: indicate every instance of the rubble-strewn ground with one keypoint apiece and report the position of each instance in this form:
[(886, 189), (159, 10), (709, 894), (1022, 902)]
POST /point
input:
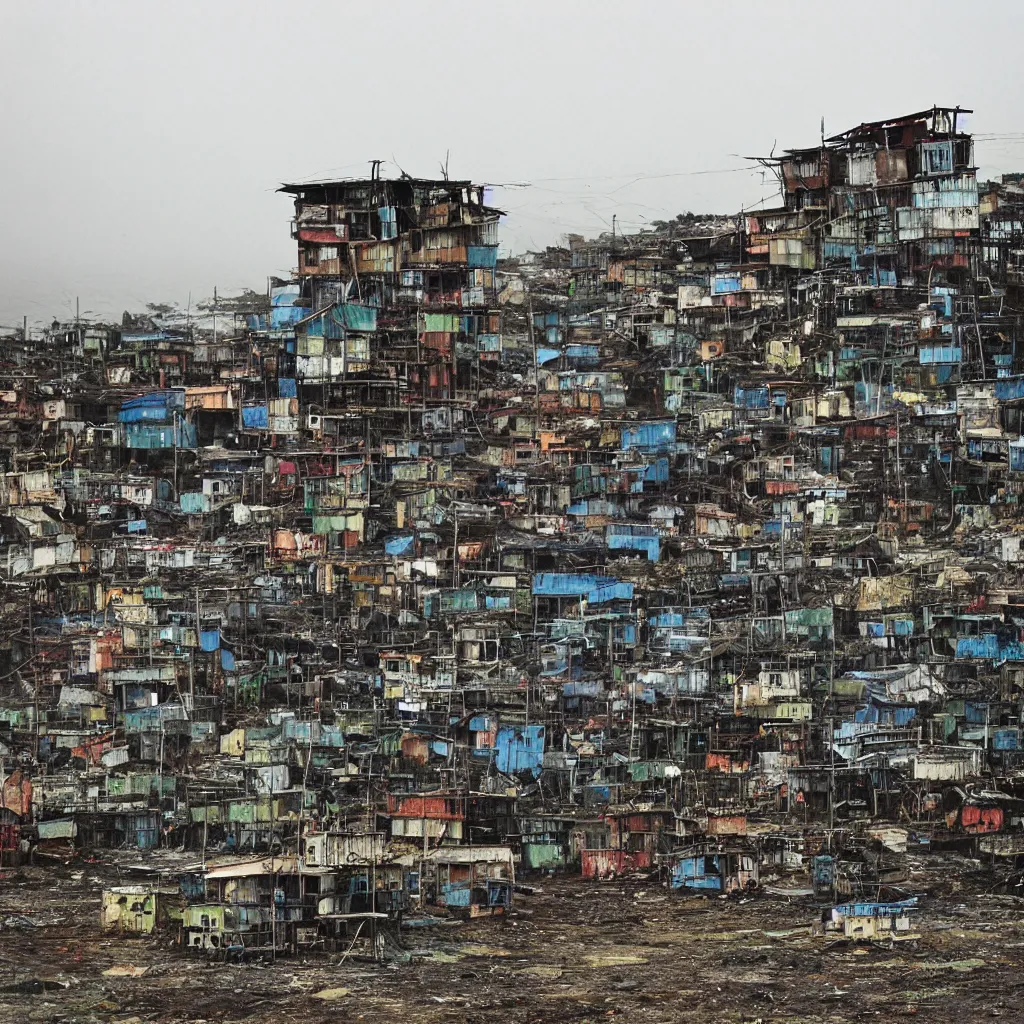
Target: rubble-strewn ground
[(576, 951)]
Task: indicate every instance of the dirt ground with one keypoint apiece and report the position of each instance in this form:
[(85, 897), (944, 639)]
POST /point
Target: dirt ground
[(575, 951)]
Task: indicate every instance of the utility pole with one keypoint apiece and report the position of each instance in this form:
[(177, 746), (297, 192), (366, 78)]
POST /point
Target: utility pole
[(832, 773), (831, 725), (273, 909), (174, 432), (455, 549), (632, 719), (536, 376)]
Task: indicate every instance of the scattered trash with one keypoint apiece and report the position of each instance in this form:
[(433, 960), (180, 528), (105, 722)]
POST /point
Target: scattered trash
[(126, 971), (332, 993)]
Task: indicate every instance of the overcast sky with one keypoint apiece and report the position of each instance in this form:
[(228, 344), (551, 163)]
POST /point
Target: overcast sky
[(143, 141)]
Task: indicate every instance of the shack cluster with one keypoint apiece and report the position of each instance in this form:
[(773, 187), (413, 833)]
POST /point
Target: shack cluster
[(693, 552)]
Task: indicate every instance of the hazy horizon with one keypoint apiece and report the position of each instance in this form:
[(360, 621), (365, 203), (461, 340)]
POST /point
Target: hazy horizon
[(145, 142)]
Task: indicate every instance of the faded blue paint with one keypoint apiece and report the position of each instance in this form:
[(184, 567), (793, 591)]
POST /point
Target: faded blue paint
[(888, 714), (558, 663), (935, 157), (542, 320), (881, 278), (989, 647), (399, 545), (624, 633), (482, 257), (520, 748), (700, 872), (332, 736), (455, 894), (388, 223), (596, 589), (833, 250), (151, 435), (583, 688), (751, 398), (633, 538), (255, 417), (154, 407), (287, 387), (566, 584), (355, 317), (725, 284), (335, 322), (868, 402), (1010, 389), (143, 829), (928, 354), (823, 873), (876, 909), (734, 579), (459, 600), (656, 472), (611, 590), (1006, 739), (152, 719), (319, 734), (594, 507), (692, 618), (312, 733), (136, 337), (195, 502), (511, 482), (192, 885), (583, 355), (283, 316), (499, 893), (649, 436), (321, 326), (976, 712)]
